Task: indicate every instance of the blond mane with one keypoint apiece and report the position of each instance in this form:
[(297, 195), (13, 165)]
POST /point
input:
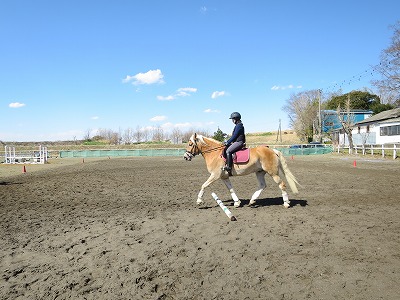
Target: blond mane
[(203, 139)]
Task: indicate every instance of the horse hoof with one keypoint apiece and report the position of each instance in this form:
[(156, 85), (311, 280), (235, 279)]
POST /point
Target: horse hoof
[(286, 205), (252, 202), (200, 202), (236, 204)]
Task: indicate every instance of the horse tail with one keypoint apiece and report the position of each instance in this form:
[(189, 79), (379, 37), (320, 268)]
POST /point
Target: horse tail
[(288, 174)]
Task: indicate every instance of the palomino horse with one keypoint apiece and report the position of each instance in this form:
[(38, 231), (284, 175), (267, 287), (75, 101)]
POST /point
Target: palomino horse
[(262, 160)]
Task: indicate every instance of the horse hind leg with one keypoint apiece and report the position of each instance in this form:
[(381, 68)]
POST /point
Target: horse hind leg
[(282, 186), (262, 186)]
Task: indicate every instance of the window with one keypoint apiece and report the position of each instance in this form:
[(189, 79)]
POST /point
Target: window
[(390, 130)]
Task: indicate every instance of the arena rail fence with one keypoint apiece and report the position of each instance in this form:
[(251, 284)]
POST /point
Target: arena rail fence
[(383, 150), (121, 153)]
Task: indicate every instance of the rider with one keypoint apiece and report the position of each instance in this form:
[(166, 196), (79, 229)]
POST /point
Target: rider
[(236, 141)]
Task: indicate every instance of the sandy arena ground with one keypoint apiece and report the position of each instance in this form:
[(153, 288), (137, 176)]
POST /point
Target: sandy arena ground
[(129, 228)]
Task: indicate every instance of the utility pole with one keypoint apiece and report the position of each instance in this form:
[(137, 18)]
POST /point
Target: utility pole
[(319, 117), (279, 133)]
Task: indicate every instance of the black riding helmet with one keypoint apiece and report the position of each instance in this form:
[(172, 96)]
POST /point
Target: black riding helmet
[(236, 116)]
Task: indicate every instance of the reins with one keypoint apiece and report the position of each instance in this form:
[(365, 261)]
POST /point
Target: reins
[(209, 150)]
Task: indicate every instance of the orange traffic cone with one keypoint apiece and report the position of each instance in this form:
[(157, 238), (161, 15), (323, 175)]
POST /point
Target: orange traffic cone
[(354, 163)]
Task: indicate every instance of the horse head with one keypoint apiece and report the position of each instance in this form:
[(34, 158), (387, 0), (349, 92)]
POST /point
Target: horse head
[(194, 146)]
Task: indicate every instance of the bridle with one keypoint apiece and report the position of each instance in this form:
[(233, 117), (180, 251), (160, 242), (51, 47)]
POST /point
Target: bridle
[(195, 150)]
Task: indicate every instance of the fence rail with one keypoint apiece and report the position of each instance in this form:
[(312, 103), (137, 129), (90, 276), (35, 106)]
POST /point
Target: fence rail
[(116, 153), (383, 150)]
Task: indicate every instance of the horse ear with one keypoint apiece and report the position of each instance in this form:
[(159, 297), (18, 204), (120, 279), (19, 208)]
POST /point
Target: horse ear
[(195, 136)]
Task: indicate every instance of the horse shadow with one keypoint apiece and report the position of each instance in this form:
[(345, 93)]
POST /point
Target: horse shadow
[(262, 202), (8, 183), (274, 201)]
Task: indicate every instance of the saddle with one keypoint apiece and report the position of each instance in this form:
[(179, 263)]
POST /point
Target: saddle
[(239, 157)]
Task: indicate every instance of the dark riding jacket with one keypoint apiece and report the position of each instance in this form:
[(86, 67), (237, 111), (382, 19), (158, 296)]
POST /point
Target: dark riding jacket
[(237, 134)]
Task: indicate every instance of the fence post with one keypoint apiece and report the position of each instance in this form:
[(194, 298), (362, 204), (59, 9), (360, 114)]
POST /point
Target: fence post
[(394, 151), (383, 151)]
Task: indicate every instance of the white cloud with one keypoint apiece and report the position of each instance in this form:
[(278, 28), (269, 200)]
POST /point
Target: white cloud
[(94, 118), (217, 94), (181, 92), (187, 90), (209, 110), (16, 105), (158, 118), (166, 98), (150, 77), (290, 86)]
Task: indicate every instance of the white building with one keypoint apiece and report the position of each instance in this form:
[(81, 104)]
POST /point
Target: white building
[(382, 128)]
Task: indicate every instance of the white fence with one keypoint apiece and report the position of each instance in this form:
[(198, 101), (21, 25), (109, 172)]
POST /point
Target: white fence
[(38, 156), (384, 150)]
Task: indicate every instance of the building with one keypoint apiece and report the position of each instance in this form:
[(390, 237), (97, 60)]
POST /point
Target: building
[(382, 128), (332, 125)]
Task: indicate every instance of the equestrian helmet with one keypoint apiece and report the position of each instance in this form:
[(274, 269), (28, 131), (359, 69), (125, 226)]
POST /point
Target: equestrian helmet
[(235, 115)]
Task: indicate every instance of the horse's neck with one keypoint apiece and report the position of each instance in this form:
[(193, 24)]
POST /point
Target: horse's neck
[(212, 149)]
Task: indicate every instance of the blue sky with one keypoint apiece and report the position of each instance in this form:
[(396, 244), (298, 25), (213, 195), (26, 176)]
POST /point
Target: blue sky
[(67, 67)]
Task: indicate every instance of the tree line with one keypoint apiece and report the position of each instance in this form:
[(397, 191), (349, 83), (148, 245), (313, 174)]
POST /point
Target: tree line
[(140, 135)]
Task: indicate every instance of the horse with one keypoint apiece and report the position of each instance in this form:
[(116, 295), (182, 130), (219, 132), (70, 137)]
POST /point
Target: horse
[(262, 160)]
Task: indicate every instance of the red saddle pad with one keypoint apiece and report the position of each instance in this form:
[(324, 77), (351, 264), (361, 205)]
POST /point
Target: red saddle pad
[(241, 156)]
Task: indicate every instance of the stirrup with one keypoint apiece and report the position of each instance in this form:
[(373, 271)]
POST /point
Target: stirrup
[(227, 169)]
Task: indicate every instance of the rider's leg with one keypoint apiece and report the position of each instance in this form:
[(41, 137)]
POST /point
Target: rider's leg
[(229, 155)]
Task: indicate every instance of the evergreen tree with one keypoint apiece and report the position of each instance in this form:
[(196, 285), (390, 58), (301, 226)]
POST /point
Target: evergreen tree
[(219, 135)]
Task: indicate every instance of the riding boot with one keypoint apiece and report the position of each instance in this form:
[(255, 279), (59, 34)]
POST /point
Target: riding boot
[(229, 163)]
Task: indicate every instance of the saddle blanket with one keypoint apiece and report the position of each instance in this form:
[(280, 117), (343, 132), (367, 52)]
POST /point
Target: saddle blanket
[(241, 156)]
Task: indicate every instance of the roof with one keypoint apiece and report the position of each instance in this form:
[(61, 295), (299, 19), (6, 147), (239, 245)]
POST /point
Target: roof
[(392, 114), (352, 111)]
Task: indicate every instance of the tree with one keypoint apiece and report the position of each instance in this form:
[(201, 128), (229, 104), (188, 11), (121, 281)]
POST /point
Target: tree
[(176, 136), (86, 135), (389, 66), (127, 137), (157, 134), (302, 109), (347, 120), (137, 134), (356, 100), (219, 135), (359, 100)]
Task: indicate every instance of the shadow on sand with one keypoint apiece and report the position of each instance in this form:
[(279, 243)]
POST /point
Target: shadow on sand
[(262, 202)]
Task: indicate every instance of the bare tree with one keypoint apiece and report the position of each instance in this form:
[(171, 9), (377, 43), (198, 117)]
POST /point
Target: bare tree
[(389, 66), (302, 109), (347, 118), (176, 136), (137, 134), (158, 134), (127, 137), (86, 135), (146, 134)]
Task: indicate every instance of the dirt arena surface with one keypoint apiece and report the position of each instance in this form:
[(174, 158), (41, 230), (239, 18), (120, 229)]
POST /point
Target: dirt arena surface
[(129, 228)]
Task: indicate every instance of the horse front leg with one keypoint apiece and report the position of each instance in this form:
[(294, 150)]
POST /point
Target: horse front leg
[(210, 180), (236, 201)]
